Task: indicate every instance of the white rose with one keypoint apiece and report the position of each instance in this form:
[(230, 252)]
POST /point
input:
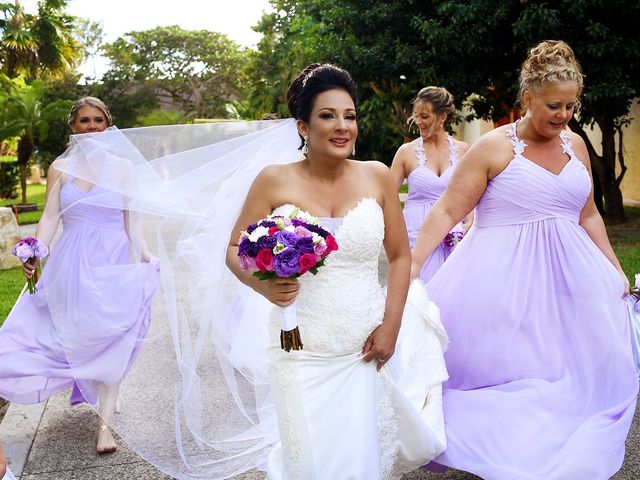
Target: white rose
[(258, 233)]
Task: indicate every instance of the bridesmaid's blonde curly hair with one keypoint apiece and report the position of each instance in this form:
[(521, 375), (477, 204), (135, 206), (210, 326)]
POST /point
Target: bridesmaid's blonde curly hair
[(549, 61)]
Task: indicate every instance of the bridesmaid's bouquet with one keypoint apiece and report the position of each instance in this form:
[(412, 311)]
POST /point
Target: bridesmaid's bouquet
[(285, 247), (453, 238), (633, 314), (27, 249)]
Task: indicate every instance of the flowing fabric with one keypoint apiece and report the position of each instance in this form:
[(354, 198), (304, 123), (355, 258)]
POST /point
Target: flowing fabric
[(424, 189), (197, 403), (87, 321), (542, 381), (390, 422)]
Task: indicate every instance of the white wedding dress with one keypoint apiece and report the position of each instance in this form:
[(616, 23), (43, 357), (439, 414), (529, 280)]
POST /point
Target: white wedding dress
[(338, 417)]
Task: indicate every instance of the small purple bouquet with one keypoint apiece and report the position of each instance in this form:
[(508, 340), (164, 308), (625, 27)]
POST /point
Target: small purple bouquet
[(285, 247), (635, 291), (633, 313), (453, 238), (29, 248)]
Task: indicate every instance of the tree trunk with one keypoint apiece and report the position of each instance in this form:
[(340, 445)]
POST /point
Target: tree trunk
[(25, 149), (613, 206), (604, 171)]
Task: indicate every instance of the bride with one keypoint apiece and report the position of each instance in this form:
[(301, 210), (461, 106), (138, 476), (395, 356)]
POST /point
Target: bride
[(212, 395), (341, 412)]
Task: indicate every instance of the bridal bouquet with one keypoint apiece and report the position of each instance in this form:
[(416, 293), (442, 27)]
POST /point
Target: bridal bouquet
[(453, 238), (285, 247), (27, 249)]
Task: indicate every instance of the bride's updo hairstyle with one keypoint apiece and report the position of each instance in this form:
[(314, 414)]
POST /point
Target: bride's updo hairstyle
[(312, 81), (550, 61)]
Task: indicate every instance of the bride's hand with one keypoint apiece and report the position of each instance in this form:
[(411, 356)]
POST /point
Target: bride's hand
[(279, 291), (380, 345)]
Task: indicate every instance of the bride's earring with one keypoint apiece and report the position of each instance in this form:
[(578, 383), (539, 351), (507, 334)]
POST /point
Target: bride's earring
[(305, 148), (353, 152)]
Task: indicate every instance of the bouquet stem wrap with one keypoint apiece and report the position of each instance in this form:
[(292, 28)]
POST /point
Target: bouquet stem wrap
[(289, 335)]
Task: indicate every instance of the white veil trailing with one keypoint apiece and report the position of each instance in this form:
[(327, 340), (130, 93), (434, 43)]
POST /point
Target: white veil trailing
[(196, 403)]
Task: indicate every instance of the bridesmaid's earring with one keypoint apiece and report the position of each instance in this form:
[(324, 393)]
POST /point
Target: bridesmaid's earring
[(305, 148), (353, 152)]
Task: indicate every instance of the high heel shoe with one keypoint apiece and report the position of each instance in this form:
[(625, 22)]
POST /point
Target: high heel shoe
[(106, 442)]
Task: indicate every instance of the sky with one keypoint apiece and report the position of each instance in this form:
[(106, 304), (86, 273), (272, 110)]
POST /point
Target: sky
[(233, 18)]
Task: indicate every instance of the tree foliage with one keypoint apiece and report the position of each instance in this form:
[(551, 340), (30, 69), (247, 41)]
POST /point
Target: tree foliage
[(195, 71), (42, 45), (474, 48), (24, 114)]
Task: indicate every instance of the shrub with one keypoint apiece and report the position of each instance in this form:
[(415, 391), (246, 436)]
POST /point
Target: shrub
[(9, 178)]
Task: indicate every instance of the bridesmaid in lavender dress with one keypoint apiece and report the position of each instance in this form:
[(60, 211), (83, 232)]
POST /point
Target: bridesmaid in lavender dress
[(427, 164), (83, 328), (542, 382)]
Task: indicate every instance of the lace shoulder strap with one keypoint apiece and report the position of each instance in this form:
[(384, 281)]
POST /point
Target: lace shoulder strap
[(422, 158), (567, 146), (453, 150), (517, 144)]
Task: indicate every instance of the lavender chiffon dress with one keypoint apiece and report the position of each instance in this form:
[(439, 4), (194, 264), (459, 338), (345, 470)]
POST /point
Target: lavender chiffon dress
[(87, 321), (542, 382), (424, 188)]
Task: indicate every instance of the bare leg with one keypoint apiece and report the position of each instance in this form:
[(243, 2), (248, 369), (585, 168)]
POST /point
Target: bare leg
[(107, 399)]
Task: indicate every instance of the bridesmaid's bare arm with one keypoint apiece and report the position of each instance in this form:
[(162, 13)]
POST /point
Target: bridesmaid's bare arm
[(590, 218), (399, 165), (484, 160)]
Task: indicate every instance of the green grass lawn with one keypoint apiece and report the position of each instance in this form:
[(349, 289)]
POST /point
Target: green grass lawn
[(12, 281), (35, 194), (625, 240)]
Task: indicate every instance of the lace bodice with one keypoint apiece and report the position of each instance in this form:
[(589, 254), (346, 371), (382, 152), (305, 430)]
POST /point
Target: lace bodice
[(340, 306)]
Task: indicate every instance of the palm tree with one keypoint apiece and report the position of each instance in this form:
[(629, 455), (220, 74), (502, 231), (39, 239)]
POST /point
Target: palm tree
[(23, 115), (38, 46)]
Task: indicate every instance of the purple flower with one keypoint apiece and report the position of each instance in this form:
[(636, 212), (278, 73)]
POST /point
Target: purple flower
[(245, 262), (296, 222), (304, 245), (41, 250), (302, 231), (288, 239), (23, 251), (286, 263), (247, 248), (268, 223), (317, 229), (252, 227), (266, 242)]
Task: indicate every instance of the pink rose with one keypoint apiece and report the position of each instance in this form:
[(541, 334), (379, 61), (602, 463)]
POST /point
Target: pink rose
[(23, 251), (320, 248), (286, 221), (332, 245), (245, 263), (264, 260), (300, 231), (307, 261)]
